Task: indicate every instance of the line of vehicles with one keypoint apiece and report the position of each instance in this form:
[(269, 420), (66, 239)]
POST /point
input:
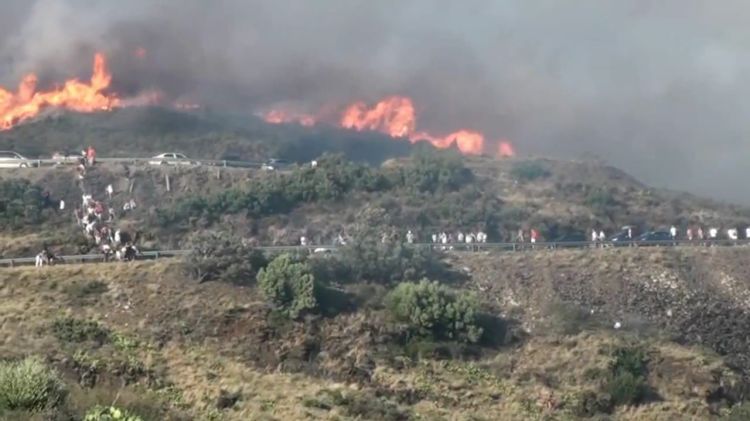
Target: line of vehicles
[(10, 159)]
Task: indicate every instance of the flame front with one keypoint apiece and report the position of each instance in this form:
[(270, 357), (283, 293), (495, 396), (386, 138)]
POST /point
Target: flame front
[(74, 95), (395, 116)]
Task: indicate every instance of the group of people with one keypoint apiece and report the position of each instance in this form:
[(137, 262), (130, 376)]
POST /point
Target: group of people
[(96, 218), (98, 229), (448, 238), (87, 159)]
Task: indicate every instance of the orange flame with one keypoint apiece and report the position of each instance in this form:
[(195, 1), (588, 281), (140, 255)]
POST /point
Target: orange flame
[(282, 117), (395, 116), (74, 95), (505, 149)]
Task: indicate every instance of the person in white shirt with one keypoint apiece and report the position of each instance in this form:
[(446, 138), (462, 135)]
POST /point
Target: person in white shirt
[(410, 237), (110, 190), (673, 232)]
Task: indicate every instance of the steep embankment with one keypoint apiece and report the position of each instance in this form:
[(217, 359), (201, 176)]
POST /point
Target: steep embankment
[(176, 349), (698, 295)]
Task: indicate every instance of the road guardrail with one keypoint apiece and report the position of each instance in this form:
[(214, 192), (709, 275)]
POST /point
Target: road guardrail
[(468, 247)]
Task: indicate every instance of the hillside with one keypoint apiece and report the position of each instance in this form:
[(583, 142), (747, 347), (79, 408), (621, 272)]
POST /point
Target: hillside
[(148, 131), (176, 349), (427, 193)]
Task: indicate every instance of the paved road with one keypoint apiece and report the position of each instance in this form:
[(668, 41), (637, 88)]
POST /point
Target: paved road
[(48, 162), (505, 247)]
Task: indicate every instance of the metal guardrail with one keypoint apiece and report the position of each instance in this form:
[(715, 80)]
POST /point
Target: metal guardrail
[(510, 247), (134, 161)]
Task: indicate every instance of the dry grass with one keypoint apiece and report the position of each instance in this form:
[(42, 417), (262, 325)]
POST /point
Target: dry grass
[(529, 381)]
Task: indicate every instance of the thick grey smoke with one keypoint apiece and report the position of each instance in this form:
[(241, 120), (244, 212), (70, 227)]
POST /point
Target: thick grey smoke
[(658, 88)]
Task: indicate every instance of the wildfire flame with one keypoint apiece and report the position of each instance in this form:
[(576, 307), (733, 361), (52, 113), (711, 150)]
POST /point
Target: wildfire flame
[(74, 95), (396, 117), (281, 117)]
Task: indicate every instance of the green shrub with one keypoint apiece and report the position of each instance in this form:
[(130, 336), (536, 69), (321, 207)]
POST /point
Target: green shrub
[(29, 385), (738, 412), (68, 329), (213, 257), (435, 171), (333, 179), (21, 203), (627, 378), (626, 389), (432, 310), (369, 259), (589, 403), (289, 285), (110, 413), (529, 171)]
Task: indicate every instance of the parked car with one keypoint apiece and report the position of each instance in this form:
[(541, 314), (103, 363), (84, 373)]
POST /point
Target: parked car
[(572, 239), (66, 158), (9, 159), (655, 236), (275, 164), (172, 158)]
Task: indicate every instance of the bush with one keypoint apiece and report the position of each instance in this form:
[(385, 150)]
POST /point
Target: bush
[(68, 329), (289, 285), (589, 403), (109, 413), (529, 171), (432, 310), (29, 385), (738, 412), (627, 382), (213, 257), (369, 259), (21, 203), (435, 171)]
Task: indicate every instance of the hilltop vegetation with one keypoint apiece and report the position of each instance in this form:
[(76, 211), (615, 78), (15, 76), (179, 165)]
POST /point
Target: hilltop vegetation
[(144, 132)]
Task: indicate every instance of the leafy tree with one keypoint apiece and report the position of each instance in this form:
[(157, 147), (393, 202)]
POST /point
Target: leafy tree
[(215, 257), (432, 310), (289, 285)]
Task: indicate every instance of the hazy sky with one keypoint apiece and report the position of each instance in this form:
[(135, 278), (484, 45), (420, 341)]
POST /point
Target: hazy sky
[(658, 88)]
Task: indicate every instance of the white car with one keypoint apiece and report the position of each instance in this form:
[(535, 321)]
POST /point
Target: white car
[(172, 158), (10, 159)]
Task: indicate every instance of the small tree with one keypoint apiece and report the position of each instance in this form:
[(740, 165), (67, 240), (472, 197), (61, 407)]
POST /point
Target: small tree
[(214, 257), (431, 309), (29, 385), (289, 285)]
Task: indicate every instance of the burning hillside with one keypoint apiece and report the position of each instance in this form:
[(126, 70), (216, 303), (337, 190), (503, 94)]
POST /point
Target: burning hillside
[(396, 117), (27, 102)]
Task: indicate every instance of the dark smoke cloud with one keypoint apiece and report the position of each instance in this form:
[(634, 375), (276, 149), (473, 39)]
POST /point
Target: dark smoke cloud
[(658, 88)]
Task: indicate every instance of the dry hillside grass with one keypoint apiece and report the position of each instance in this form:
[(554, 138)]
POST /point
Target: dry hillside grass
[(198, 342)]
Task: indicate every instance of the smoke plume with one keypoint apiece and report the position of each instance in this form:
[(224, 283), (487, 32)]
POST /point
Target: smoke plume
[(658, 88)]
